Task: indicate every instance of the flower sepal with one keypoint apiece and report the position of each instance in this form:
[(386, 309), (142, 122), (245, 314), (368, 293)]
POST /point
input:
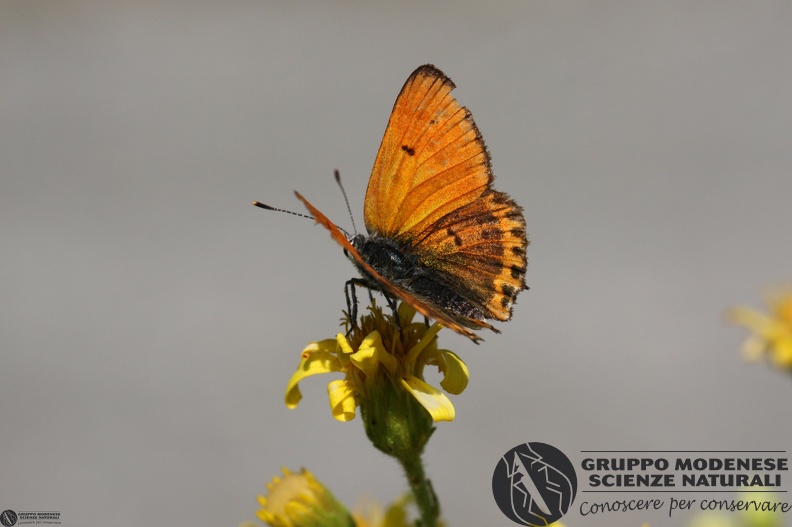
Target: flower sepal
[(395, 421)]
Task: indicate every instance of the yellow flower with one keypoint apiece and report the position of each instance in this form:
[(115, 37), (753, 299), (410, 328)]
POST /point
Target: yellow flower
[(712, 519), (300, 500), (376, 357), (748, 517), (371, 514), (772, 334), (754, 518)]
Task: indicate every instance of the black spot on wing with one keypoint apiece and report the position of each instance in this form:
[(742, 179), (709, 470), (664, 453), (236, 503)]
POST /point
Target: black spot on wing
[(410, 151), (492, 233), (508, 295), (457, 239), (517, 272)]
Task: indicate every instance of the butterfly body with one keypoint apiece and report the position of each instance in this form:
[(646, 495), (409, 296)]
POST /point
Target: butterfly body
[(440, 238), (402, 269)]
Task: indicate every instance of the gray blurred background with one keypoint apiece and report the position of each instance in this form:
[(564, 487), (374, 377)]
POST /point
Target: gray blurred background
[(151, 317)]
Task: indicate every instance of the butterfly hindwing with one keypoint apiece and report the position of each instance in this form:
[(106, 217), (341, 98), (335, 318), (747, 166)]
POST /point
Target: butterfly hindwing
[(480, 251)]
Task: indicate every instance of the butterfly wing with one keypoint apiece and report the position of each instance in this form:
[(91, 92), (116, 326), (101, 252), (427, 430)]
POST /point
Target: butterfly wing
[(419, 304), (431, 190)]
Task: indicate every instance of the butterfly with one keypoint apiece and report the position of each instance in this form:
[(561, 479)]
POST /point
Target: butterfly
[(440, 238)]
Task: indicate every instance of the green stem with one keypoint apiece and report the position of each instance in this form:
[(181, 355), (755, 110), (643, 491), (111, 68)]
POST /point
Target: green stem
[(425, 498)]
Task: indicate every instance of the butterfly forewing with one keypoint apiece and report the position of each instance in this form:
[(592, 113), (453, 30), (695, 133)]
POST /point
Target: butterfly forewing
[(431, 159)]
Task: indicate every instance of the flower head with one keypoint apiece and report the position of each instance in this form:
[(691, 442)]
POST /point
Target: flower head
[(376, 353), (300, 500), (383, 363), (772, 334)]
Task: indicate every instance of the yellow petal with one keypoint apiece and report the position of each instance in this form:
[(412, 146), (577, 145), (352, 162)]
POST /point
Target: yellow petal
[(371, 353), (406, 313), (365, 359), (782, 352), (753, 348), (781, 304), (436, 402), (396, 515), (342, 399), (342, 341), (328, 345), (416, 350), (313, 363), (754, 320), (455, 372)]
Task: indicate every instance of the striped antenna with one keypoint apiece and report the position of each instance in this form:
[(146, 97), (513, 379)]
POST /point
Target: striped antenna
[(267, 207), (349, 209)]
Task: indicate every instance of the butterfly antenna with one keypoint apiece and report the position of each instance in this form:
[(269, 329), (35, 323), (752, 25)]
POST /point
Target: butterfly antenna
[(267, 207), (349, 209)]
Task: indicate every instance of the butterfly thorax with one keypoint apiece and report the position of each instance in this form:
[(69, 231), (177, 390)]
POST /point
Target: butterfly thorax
[(388, 257)]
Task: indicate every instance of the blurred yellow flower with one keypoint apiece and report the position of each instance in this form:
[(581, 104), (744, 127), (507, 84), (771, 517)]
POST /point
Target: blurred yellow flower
[(300, 500), (772, 334), (760, 518), (747, 517), (371, 514), (712, 519), (378, 356)]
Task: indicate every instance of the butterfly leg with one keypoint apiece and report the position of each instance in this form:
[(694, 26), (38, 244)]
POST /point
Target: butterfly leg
[(351, 302), (393, 304), (371, 295), (351, 298)]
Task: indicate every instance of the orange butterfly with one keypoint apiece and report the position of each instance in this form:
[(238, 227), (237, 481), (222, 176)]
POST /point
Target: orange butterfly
[(440, 237)]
